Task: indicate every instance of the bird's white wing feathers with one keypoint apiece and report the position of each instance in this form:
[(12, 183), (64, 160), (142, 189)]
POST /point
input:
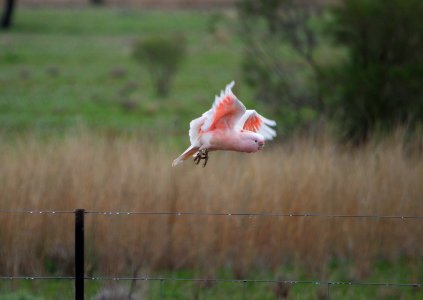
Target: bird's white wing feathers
[(195, 128), (255, 122)]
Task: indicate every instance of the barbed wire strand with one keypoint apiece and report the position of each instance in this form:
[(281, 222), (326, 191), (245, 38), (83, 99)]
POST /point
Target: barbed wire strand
[(217, 214), (31, 211), (274, 281), (247, 214)]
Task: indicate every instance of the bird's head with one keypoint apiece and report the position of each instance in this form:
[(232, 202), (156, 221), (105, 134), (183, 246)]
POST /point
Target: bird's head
[(252, 142)]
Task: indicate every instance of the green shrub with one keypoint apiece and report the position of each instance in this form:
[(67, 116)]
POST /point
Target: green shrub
[(161, 56), (276, 33), (380, 85)]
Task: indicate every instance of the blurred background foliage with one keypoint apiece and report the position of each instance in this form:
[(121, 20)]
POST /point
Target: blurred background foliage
[(354, 66), (380, 84), (280, 63), (374, 87), (161, 56)]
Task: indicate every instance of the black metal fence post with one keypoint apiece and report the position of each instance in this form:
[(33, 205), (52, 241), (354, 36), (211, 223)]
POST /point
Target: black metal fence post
[(79, 254), (328, 291)]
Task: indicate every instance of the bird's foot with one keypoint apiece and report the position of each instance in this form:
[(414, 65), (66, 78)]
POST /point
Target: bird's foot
[(202, 154)]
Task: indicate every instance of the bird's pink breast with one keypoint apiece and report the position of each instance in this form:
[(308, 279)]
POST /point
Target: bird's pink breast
[(229, 140)]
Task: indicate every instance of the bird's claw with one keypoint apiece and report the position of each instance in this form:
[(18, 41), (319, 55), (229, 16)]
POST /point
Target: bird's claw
[(202, 154)]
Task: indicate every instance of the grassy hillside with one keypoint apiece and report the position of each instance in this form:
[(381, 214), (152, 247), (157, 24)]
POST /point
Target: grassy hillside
[(59, 68)]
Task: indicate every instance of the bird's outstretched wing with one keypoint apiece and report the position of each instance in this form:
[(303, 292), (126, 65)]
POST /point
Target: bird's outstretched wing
[(195, 129), (253, 121), (225, 112)]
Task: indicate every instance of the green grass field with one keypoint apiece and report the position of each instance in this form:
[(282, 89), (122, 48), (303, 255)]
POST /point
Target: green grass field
[(59, 68)]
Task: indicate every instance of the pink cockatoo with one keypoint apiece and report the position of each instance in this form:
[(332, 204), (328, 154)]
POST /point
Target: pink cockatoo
[(227, 126)]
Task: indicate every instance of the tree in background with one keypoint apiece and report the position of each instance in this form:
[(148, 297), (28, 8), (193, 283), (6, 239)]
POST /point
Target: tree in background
[(381, 83), (162, 56), (280, 59), (6, 20), (97, 2)]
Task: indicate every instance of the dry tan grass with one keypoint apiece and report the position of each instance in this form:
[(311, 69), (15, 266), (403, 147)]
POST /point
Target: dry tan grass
[(126, 174)]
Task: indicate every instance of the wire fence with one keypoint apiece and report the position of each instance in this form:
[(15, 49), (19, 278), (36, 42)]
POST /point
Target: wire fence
[(217, 214), (327, 283), (274, 281)]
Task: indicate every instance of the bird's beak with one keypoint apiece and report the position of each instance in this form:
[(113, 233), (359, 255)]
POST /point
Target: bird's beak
[(261, 145)]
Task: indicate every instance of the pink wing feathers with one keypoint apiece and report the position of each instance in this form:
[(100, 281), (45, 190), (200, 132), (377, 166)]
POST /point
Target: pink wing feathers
[(225, 112), (253, 121), (228, 112)]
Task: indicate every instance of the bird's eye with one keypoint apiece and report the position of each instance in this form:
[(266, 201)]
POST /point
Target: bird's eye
[(255, 141)]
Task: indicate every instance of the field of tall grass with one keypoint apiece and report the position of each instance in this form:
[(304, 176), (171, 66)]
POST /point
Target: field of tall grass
[(135, 174)]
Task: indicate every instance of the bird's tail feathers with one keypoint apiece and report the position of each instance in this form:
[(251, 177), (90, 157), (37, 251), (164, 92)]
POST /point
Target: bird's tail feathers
[(187, 153)]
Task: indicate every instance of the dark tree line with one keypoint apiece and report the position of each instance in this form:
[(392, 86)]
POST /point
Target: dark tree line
[(381, 83), (376, 87)]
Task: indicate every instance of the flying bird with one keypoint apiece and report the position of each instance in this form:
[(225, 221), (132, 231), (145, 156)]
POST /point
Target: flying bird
[(228, 125)]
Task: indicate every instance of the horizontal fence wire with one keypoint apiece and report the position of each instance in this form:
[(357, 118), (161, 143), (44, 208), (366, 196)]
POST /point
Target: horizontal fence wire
[(31, 211), (270, 281), (220, 214), (217, 214)]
